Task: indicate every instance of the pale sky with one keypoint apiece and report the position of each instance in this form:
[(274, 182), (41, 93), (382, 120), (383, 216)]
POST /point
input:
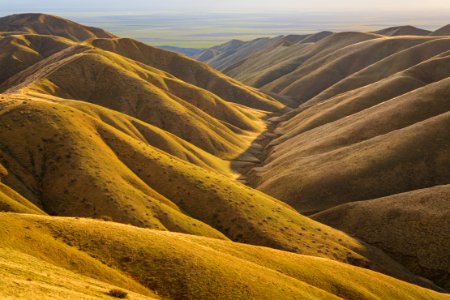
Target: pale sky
[(247, 6)]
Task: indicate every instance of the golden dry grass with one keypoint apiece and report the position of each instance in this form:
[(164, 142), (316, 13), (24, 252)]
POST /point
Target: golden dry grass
[(72, 163), (182, 266)]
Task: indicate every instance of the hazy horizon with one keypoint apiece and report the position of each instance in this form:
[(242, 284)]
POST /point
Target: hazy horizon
[(200, 23)]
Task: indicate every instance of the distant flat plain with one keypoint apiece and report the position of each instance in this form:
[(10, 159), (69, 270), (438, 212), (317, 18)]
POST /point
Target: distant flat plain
[(197, 30)]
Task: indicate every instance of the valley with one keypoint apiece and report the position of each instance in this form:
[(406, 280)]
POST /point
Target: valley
[(308, 166)]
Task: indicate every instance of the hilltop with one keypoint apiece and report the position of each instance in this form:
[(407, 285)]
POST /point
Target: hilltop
[(50, 25)]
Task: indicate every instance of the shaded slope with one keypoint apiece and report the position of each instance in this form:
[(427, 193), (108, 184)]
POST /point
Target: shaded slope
[(410, 226), (355, 100), (285, 57), (316, 75), (96, 170), (366, 155), (50, 25), (389, 66), (174, 265)]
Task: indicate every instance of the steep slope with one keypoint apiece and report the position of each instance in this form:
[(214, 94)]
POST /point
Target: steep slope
[(410, 226), (158, 98), (174, 265), (285, 57), (190, 71), (50, 25), (403, 30), (235, 52), (326, 64), (366, 155), (355, 100), (391, 65), (22, 51), (315, 75), (116, 130), (96, 170)]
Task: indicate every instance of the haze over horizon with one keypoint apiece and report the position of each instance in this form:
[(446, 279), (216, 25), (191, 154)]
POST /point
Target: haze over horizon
[(249, 6), (202, 24)]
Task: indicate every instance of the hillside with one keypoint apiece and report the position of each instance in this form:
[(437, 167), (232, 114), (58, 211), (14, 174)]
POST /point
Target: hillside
[(421, 246), (403, 30), (107, 170), (299, 70), (173, 265), (124, 166), (370, 120)]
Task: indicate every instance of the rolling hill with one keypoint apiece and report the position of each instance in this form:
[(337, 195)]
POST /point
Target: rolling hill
[(421, 245), (403, 30), (50, 25), (106, 169), (370, 120), (142, 261), (122, 166)]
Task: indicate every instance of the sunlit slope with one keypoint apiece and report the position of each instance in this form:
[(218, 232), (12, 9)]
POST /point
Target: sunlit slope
[(317, 74), (356, 100), (410, 226), (63, 164), (27, 277), (72, 163), (182, 266), (190, 71), (153, 96), (326, 64), (14, 202), (142, 132), (50, 25), (399, 62), (397, 146), (22, 51)]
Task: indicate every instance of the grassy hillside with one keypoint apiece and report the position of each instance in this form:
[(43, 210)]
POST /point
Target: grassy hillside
[(181, 266), (27, 277), (410, 226), (191, 72), (150, 95), (366, 155), (97, 170)]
